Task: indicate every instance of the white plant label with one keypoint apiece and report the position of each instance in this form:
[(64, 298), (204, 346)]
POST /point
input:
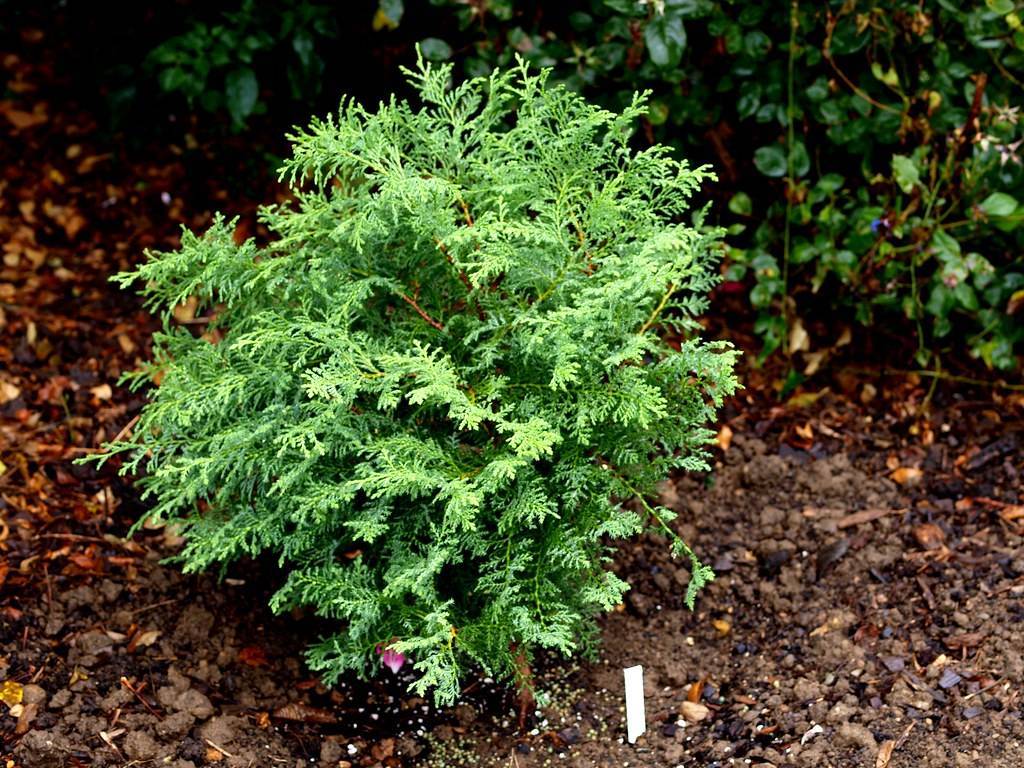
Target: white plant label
[(636, 716)]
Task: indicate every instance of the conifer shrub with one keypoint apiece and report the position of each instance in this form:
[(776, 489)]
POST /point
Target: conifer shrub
[(445, 388)]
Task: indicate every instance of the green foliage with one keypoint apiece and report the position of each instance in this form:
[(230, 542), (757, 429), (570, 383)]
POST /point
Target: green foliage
[(887, 137), (217, 66), (442, 391)]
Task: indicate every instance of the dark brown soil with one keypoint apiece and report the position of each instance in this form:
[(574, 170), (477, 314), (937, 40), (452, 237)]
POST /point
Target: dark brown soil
[(814, 621), (822, 641)]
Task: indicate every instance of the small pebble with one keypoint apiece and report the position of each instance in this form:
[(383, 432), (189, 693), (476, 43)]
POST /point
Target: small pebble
[(893, 663), (949, 679)]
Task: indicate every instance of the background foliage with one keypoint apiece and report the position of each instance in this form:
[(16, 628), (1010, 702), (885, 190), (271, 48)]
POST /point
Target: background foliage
[(870, 152), (217, 64), (873, 148)]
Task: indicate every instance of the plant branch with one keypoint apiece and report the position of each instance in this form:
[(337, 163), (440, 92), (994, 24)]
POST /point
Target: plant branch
[(657, 310), (419, 310), (790, 181), (448, 257), (826, 52), (940, 374)]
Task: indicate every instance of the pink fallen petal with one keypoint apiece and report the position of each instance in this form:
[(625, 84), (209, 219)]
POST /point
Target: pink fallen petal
[(391, 659)]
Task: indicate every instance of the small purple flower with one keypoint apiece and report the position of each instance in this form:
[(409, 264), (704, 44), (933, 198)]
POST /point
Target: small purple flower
[(390, 658), (880, 225)]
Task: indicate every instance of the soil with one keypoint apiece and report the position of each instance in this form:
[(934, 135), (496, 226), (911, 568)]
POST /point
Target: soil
[(867, 539), (850, 612)]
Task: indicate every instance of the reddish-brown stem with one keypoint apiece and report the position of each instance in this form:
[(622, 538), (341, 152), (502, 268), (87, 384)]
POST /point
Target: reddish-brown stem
[(970, 129), (465, 212), (127, 428), (826, 52), (462, 275), (525, 699), (412, 303), (137, 692)]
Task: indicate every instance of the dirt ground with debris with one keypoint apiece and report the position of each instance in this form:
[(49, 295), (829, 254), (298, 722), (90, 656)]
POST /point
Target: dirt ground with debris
[(855, 621), (866, 535)]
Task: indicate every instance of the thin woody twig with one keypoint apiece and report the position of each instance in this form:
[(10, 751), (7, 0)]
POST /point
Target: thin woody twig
[(462, 275), (219, 748), (412, 303), (657, 310), (465, 212), (127, 428), (826, 52), (138, 695)]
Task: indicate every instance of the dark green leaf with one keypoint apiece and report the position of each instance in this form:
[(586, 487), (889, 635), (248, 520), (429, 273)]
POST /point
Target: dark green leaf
[(665, 37), (801, 161), (740, 204), (771, 160), (241, 91), (998, 204), (905, 173), (392, 10), (1002, 7), (435, 49)]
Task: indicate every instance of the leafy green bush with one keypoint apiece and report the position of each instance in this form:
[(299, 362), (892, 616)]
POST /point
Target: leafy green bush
[(217, 65), (873, 149), (441, 392)]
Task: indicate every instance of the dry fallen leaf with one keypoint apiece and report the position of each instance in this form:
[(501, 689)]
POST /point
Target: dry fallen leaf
[(21, 119), (253, 656), (384, 749), (11, 693), (834, 622), (102, 392), (146, 638), (695, 691), (813, 361), (304, 713), (91, 162), (186, 311), (722, 626), (8, 392), (109, 736), (724, 438), (929, 535), (216, 751), (25, 718), (907, 475), (799, 341), (806, 399), (27, 209), (885, 754), (126, 343), (1012, 512), (863, 516)]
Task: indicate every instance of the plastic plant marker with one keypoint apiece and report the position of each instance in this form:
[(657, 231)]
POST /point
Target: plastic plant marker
[(636, 717)]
